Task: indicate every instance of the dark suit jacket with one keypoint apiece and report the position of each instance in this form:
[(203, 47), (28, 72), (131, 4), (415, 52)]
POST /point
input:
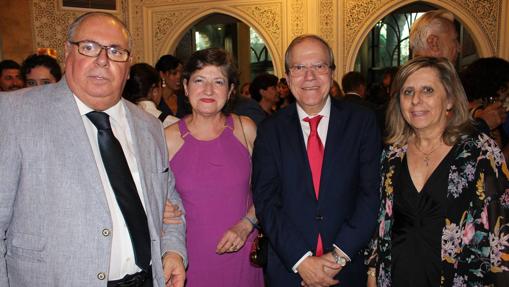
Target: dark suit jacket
[(345, 212), (354, 98), (250, 108), (379, 111)]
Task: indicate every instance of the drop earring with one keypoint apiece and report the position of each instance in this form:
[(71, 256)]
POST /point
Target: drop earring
[(163, 83)]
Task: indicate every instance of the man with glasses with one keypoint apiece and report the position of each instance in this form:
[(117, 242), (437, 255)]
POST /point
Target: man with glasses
[(85, 175), (315, 177)]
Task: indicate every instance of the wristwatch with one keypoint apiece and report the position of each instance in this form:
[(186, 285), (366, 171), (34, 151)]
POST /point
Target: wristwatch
[(338, 258)]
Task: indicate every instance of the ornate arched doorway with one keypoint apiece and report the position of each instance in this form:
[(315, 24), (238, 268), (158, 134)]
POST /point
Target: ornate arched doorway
[(245, 45), (387, 44), (158, 28), (474, 19)]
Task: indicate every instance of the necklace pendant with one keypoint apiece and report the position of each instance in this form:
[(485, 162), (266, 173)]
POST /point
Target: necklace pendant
[(426, 160)]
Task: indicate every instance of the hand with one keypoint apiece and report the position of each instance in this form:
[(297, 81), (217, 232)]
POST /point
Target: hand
[(174, 270), (371, 279), (494, 114), (171, 213), (235, 237), (312, 271), (330, 271)]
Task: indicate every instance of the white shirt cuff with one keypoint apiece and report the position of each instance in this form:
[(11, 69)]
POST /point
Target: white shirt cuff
[(294, 268), (341, 253)]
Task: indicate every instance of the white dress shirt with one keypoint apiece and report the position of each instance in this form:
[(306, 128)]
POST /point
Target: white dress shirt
[(323, 127), (122, 260), (151, 108)]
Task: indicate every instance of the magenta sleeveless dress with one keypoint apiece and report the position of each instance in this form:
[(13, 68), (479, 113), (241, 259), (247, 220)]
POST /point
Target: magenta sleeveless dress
[(212, 178)]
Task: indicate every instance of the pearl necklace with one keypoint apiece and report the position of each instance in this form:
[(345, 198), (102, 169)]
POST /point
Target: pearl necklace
[(428, 154)]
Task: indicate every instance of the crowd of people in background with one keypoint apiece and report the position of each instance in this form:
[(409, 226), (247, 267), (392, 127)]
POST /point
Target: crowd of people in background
[(402, 182)]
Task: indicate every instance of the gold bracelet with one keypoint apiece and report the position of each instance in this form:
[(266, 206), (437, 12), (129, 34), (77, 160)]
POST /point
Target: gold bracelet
[(371, 272)]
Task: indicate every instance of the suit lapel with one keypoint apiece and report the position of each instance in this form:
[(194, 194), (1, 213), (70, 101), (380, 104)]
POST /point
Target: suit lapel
[(69, 128), (293, 139), (333, 145), (140, 135)]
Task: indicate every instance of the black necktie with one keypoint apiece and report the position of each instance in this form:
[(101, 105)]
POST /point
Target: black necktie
[(124, 188)]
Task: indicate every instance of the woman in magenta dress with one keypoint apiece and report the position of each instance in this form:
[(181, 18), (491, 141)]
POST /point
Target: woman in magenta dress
[(210, 158)]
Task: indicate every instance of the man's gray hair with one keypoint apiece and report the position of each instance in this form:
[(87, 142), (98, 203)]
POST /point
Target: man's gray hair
[(77, 22), (435, 21)]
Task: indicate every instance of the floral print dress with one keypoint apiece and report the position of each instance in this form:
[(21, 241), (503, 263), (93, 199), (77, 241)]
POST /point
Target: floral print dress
[(475, 237)]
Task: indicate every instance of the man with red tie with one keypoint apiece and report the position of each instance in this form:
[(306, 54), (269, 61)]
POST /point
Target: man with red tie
[(316, 177)]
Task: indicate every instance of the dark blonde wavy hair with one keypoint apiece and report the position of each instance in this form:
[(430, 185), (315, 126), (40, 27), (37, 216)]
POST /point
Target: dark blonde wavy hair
[(459, 121)]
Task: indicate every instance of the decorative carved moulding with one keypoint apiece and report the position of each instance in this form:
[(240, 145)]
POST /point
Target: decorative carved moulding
[(328, 20), (157, 26), (297, 18), (487, 14)]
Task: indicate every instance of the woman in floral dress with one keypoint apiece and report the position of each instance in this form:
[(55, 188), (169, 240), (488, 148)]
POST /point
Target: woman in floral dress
[(444, 216)]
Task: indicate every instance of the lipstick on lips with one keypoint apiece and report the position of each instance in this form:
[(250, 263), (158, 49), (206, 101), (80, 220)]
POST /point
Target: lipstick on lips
[(207, 100)]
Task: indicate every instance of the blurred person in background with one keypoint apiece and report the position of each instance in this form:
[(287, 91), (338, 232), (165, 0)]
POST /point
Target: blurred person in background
[(264, 90), (335, 90), (434, 35), (39, 70), (10, 76), (144, 89), (486, 83), (285, 95), (173, 102), (244, 90)]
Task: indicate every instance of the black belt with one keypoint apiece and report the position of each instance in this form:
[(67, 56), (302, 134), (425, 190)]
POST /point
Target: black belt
[(140, 279)]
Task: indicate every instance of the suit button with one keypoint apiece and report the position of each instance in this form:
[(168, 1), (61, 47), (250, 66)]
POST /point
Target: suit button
[(101, 275), (106, 232), (319, 217)]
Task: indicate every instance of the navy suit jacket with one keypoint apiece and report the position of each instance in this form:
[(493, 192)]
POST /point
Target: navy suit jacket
[(345, 212)]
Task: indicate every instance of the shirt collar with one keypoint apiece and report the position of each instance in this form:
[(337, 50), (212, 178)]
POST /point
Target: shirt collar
[(325, 112), (116, 112)]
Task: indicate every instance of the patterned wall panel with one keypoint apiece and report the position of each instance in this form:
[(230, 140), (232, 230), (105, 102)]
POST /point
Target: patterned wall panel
[(328, 20), (269, 17), (163, 26), (297, 18), (487, 14)]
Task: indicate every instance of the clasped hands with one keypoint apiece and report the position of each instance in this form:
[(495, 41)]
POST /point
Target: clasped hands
[(319, 271)]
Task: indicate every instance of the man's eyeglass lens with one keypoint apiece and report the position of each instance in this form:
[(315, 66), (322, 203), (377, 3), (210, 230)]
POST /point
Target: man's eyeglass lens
[(93, 49)]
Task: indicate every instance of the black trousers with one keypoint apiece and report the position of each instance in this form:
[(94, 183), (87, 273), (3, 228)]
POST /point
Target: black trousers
[(140, 279)]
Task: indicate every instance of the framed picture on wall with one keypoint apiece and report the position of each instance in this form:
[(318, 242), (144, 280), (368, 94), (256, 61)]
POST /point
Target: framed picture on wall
[(102, 5)]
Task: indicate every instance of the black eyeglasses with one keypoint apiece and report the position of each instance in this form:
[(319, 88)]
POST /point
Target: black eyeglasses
[(93, 49)]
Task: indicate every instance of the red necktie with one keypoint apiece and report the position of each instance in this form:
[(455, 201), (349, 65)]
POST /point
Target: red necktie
[(315, 157)]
